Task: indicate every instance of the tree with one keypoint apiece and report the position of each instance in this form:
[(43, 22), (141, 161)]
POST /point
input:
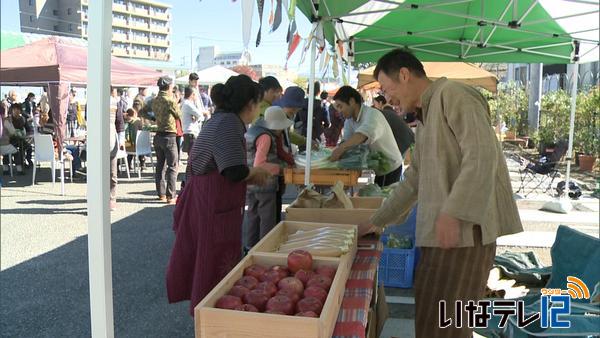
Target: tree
[(302, 82)]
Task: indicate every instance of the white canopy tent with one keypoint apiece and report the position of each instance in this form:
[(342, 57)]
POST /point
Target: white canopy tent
[(285, 83), (210, 76)]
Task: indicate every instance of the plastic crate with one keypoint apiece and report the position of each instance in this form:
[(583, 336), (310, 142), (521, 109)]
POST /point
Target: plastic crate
[(409, 225), (397, 266)]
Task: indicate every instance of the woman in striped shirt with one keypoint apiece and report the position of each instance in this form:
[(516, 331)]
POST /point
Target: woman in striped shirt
[(209, 212)]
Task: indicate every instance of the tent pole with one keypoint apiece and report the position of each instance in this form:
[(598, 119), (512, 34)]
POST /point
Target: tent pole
[(311, 103), (574, 76), (99, 225), (563, 203)]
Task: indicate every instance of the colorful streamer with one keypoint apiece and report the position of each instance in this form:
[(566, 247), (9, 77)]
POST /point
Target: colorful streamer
[(261, 7), (277, 19)]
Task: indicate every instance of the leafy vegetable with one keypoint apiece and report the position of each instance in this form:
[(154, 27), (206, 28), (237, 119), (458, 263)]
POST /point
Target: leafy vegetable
[(399, 242)]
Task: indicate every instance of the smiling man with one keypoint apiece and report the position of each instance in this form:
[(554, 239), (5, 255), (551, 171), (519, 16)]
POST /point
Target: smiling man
[(459, 178)]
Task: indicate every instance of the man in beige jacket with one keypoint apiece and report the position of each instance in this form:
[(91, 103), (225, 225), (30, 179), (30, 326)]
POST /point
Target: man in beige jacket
[(458, 176)]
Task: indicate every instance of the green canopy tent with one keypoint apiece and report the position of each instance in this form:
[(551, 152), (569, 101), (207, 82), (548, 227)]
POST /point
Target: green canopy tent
[(11, 40), (510, 31)]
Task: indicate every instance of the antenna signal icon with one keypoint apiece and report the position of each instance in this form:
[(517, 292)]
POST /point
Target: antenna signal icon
[(577, 289)]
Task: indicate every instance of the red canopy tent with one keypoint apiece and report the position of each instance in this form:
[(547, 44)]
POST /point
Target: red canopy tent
[(55, 60), (57, 63)]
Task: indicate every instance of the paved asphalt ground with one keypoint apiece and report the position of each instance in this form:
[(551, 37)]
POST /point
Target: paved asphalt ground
[(44, 280), (44, 288)]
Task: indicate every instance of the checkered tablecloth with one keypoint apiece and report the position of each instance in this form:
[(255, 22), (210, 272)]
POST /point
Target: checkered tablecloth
[(352, 319)]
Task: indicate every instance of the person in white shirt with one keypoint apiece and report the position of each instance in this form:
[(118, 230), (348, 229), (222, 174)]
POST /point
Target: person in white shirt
[(192, 118), (367, 125), (193, 82)]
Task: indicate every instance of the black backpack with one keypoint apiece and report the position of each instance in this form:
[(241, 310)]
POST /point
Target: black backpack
[(574, 190)]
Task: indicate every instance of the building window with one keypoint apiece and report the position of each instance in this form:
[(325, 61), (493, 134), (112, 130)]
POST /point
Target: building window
[(55, 12), (70, 27), (56, 28), (31, 18), (69, 11)]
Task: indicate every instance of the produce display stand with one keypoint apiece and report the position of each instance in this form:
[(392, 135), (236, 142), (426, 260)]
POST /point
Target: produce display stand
[(327, 177), (214, 322), (364, 208), (278, 235), (364, 310)]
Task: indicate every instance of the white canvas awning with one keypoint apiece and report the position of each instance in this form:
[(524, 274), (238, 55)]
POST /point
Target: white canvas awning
[(210, 76)]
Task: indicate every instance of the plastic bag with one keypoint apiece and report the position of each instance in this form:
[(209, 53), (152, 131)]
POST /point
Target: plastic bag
[(338, 198), (355, 158), (319, 159), (308, 198)]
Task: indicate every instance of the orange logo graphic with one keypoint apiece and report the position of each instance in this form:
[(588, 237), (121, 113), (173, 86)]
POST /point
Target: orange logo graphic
[(577, 289)]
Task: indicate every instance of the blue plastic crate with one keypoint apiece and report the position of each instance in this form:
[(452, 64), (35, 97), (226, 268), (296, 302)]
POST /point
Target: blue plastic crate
[(397, 266), (409, 225)]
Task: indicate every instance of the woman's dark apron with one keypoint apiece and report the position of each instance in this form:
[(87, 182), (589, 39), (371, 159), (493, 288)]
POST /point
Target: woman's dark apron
[(208, 228)]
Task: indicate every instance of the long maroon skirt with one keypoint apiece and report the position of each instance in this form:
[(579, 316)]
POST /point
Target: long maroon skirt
[(208, 236)]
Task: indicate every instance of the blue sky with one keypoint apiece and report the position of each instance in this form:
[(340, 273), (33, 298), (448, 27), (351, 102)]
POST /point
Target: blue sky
[(211, 22)]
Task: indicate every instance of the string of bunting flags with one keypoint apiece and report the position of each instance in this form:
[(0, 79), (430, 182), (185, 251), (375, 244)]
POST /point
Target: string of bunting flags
[(329, 59)]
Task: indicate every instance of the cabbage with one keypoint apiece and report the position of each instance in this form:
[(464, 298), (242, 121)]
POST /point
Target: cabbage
[(379, 163)]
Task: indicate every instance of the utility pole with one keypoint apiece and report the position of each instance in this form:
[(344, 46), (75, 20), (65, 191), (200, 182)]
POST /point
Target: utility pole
[(192, 37), (191, 54)]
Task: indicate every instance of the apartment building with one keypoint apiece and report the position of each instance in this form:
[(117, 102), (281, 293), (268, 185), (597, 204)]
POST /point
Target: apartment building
[(211, 55), (141, 28)]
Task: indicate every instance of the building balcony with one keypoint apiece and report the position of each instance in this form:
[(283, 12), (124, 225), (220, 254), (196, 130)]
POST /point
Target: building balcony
[(140, 39), (160, 29), (120, 37), (160, 56), (118, 51), (160, 42), (140, 53), (119, 8), (162, 16), (137, 24), (119, 22), (140, 11)]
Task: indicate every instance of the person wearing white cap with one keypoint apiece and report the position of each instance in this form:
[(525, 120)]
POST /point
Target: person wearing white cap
[(261, 143)]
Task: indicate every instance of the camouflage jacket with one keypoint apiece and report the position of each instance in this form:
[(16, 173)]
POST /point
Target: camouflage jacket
[(166, 111)]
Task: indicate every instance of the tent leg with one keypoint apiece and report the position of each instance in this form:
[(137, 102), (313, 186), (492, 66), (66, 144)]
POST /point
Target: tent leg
[(563, 204), (311, 103), (99, 225), (574, 78)]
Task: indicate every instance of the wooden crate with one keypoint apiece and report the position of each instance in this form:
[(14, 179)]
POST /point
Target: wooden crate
[(279, 234), (323, 176), (365, 207), (211, 322), (367, 202)]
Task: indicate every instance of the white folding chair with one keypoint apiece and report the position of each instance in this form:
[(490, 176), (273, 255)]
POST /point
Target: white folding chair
[(44, 152), (143, 147), (9, 151), (122, 155)]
